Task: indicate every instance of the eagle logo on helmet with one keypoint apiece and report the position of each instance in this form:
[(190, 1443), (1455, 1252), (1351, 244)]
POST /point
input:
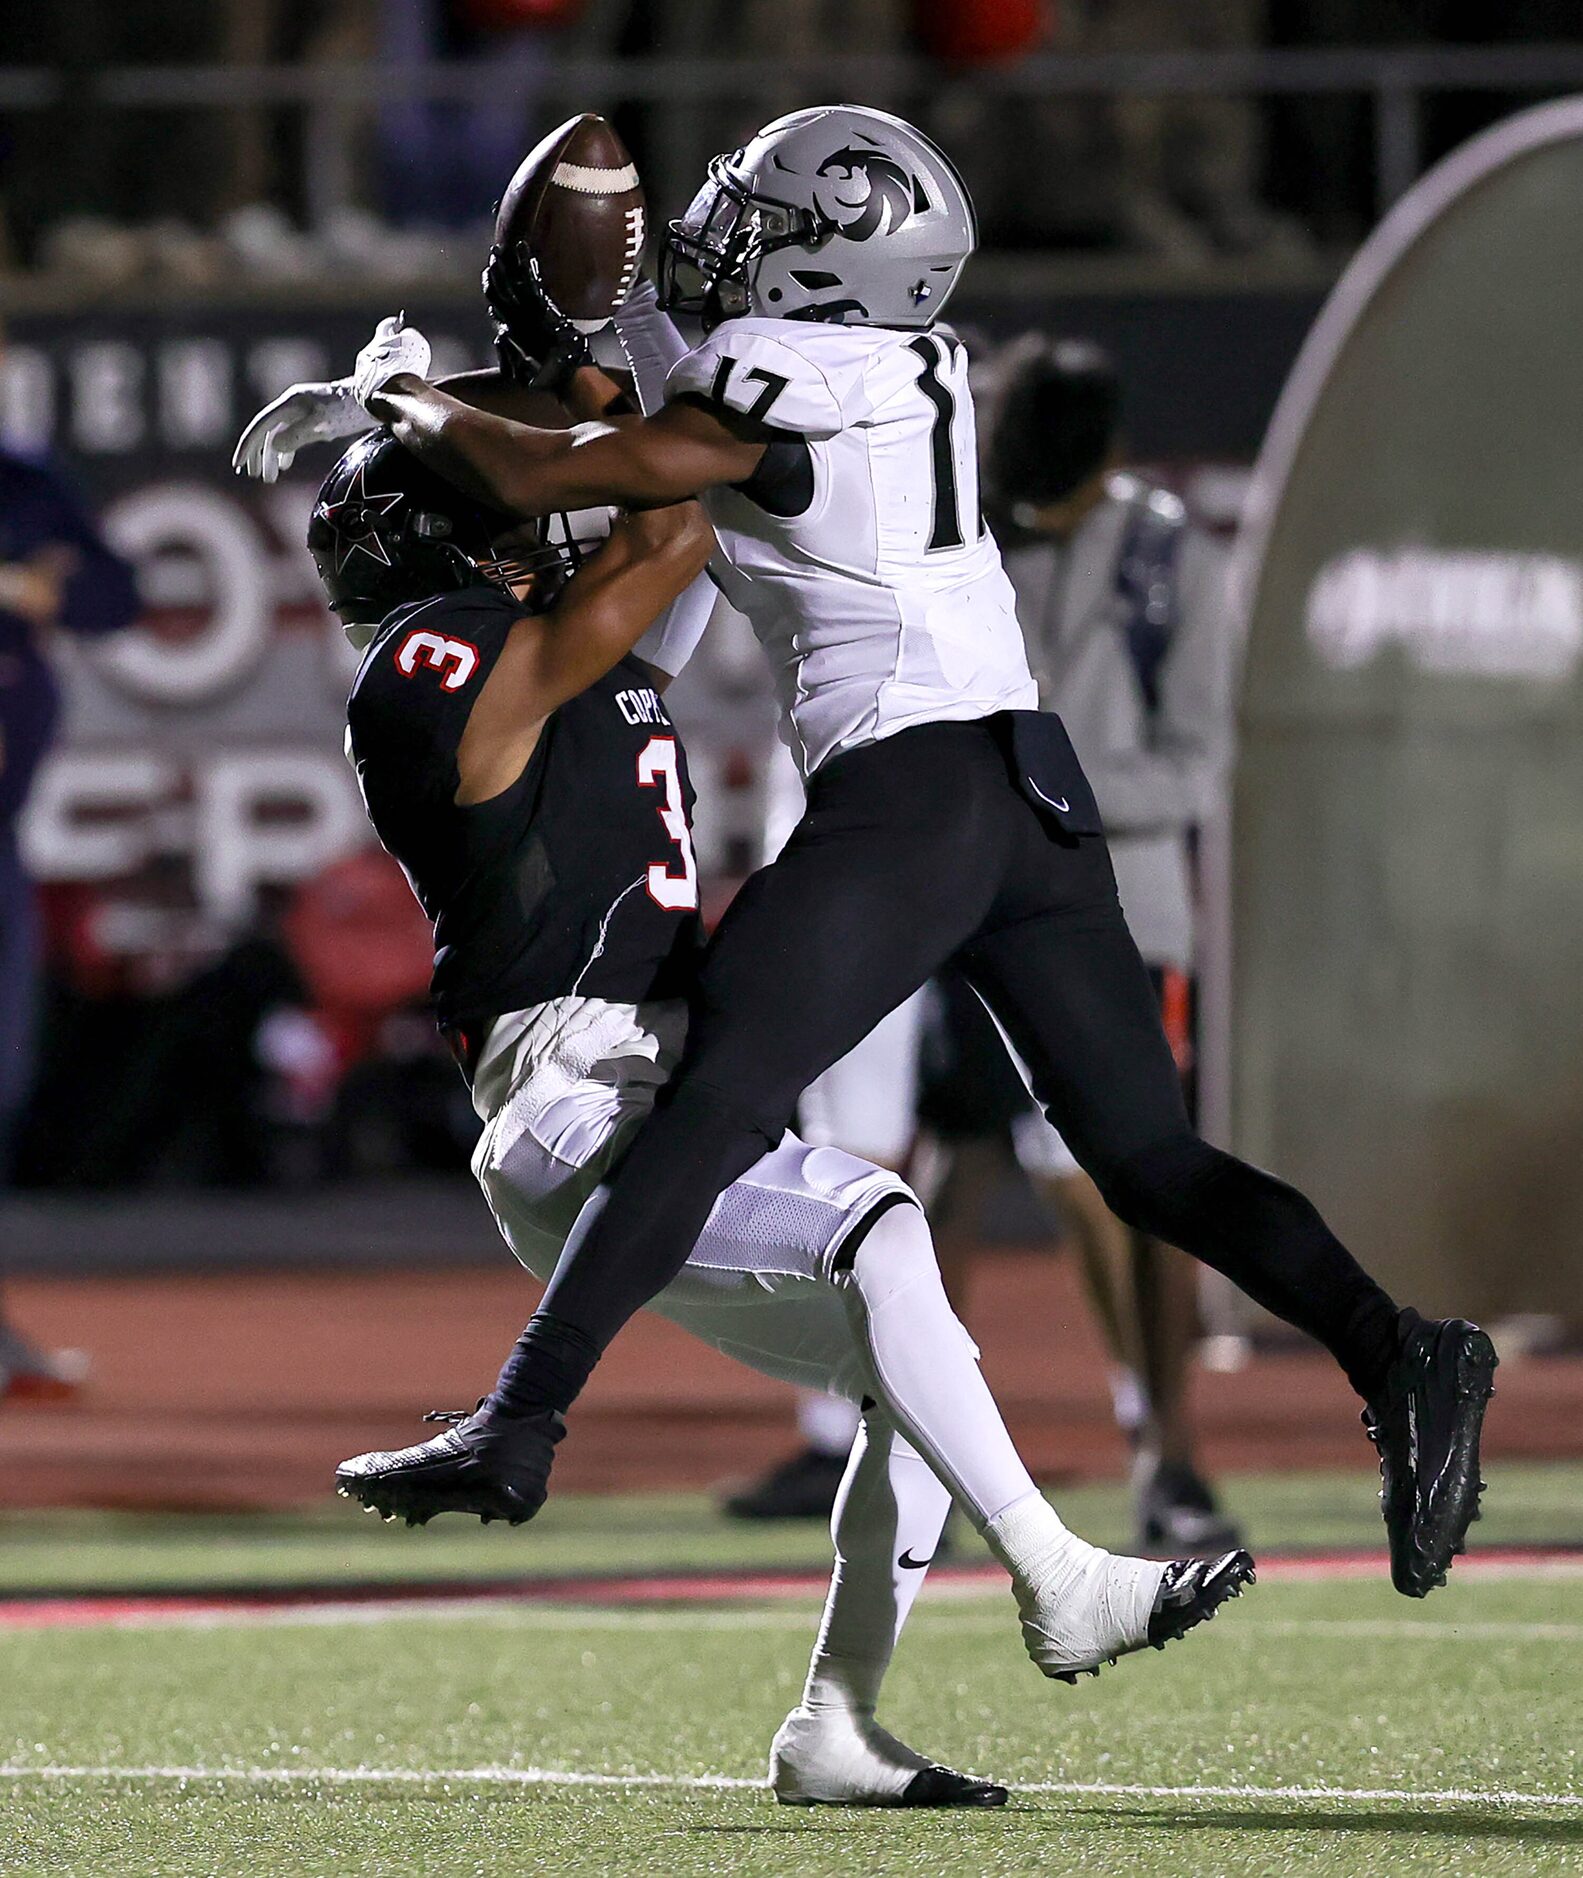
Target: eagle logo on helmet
[(889, 195), (356, 518)]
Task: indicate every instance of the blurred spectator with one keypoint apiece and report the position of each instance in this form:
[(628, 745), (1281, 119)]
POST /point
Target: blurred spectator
[(1179, 177), (446, 161), (1189, 169), (112, 193), (1123, 606), (269, 156), (359, 1076), (295, 1051), (56, 574), (121, 166), (680, 135), (152, 1007), (976, 32), (1323, 147)]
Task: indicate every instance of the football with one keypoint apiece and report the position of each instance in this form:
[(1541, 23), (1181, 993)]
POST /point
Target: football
[(577, 204)]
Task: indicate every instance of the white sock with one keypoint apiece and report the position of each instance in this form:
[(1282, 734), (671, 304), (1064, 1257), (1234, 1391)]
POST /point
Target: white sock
[(1129, 1400), (828, 1423), (1080, 1606), (890, 1507), (926, 1368)]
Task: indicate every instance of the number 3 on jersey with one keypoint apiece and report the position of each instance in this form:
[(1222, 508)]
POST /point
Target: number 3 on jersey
[(457, 659), (658, 766)]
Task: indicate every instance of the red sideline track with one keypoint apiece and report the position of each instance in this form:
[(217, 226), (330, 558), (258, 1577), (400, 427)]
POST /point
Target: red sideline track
[(123, 1610)]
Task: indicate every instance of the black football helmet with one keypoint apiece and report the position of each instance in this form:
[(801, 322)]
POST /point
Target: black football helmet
[(386, 530), (1056, 419)]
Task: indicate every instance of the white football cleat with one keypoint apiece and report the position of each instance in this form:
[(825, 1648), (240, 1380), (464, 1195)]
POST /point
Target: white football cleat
[(1084, 1607), (842, 1757), (1088, 1609)]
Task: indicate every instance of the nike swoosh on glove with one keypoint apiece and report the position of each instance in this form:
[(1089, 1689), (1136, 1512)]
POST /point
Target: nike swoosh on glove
[(305, 414), (395, 348)]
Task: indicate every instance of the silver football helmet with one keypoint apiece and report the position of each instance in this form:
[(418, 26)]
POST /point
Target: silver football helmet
[(839, 213)]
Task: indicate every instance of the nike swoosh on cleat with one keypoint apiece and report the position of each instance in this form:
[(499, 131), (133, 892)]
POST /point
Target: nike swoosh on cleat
[(910, 1564)]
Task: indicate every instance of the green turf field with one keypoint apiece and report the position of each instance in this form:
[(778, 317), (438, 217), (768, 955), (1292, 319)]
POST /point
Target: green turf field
[(1314, 1728), (663, 1532)]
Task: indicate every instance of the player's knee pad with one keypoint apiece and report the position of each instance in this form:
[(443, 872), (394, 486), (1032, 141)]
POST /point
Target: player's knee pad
[(890, 1272), (888, 1248)]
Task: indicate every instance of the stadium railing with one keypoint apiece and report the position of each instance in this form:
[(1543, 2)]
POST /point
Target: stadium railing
[(333, 97)]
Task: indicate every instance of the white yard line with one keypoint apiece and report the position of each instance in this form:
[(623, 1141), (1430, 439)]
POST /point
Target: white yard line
[(504, 1612), (715, 1783)]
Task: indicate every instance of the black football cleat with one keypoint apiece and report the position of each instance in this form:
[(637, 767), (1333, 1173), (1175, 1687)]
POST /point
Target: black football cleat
[(1426, 1427), (491, 1465), (943, 1786), (1193, 1589), (803, 1487)]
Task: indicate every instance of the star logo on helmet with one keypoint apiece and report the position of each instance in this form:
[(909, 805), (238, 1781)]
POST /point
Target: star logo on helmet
[(356, 519), (867, 193)]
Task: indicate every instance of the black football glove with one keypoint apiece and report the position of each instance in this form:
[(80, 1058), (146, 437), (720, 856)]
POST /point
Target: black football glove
[(536, 343)]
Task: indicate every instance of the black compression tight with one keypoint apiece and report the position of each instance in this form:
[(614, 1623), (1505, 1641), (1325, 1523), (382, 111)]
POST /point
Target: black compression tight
[(1267, 1239)]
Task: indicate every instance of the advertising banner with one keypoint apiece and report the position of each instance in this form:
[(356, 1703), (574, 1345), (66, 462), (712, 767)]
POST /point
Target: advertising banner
[(1409, 800)]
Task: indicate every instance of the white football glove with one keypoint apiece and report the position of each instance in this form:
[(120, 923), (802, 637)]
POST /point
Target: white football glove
[(305, 414), (394, 348)]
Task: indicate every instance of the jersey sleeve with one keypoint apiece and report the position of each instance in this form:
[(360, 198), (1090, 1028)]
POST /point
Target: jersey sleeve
[(761, 376), (419, 680), (673, 638)]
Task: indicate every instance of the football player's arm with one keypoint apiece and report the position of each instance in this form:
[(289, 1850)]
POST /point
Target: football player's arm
[(329, 413), (592, 395), (610, 603), (491, 390), (597, 619), (679, 452)]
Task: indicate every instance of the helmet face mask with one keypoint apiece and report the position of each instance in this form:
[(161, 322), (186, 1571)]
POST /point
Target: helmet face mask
[(840, 214), (711, 254), (530, 564)]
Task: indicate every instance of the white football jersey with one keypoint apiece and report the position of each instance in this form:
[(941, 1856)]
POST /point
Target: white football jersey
[(875, 590)]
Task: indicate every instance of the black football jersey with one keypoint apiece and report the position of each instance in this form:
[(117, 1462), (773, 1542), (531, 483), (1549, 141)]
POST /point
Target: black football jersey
[(578, 879)]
